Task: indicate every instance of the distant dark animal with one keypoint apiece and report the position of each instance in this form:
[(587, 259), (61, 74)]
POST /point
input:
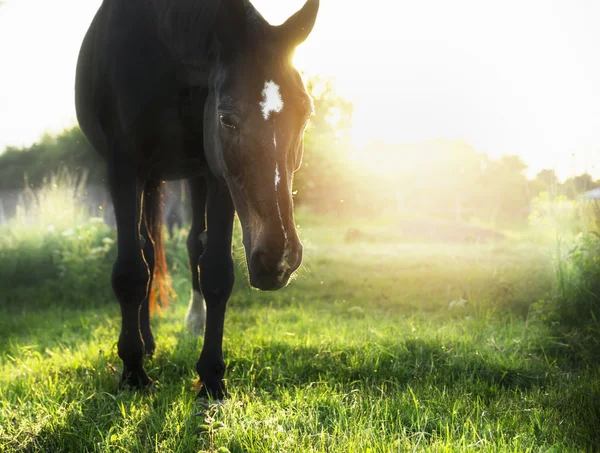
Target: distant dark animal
[(177, 199), (202, 90)]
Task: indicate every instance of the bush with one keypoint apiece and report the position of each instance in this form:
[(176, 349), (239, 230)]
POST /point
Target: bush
[(69, 149), (56, 204), (52, 246), (574, 311)]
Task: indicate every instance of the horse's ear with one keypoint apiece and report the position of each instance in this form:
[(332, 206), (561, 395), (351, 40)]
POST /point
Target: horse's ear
[(230, 24), (296, 29)]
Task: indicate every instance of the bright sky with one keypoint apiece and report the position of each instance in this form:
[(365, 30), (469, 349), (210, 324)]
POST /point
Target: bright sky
[(510, 77)]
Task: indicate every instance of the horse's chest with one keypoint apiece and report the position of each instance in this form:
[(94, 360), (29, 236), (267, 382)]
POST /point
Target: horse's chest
[(180, 149)]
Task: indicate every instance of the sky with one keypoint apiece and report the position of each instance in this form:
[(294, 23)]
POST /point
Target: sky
[(509, 77)]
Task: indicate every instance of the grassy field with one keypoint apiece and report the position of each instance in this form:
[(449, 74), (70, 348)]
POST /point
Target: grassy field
[(379, 345)]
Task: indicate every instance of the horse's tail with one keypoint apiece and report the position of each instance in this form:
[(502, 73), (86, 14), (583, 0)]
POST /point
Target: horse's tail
[(153, 213)]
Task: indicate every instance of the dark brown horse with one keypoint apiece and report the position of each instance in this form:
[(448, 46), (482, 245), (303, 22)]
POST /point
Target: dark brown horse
[(203, 90)]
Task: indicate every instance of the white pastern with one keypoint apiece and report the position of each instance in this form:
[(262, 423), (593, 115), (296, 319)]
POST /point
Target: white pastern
[(271, 99), (196, 314)]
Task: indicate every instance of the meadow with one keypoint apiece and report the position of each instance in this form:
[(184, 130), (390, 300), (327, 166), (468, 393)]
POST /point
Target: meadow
[(381, 344)]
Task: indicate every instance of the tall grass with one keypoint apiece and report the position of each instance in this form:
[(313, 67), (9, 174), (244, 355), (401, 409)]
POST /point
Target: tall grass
[(573, 311), (54, 205), (53, 241)]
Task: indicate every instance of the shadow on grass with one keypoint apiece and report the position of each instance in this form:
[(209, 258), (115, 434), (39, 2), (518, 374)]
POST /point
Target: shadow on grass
[(94, 410), (280, 364), (88, 411), (573, 350), (52, 326), (429, 370)]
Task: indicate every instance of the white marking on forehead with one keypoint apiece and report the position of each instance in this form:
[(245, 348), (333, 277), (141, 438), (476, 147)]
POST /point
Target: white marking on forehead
[(271, 99)]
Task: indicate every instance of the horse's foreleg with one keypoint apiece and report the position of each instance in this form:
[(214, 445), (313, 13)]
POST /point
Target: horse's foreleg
[(130, 276), (216, 281), (196, 243)]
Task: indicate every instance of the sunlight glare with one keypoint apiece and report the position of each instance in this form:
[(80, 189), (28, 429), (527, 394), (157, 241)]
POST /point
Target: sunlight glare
[(434, 69)]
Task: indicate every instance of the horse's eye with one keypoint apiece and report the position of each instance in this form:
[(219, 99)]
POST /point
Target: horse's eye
[(228, 121)]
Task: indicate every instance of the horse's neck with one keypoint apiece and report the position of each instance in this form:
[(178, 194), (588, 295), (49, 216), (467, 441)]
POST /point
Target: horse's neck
[(188, 25), (186, 28)]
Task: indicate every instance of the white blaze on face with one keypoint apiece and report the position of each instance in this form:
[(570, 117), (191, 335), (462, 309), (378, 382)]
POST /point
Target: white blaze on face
[(277, 181), (277, 178), (271, 99), (284, 264), (273, 103)]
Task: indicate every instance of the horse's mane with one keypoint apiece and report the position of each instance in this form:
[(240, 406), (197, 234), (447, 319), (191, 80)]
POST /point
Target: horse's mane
[(188, 26)]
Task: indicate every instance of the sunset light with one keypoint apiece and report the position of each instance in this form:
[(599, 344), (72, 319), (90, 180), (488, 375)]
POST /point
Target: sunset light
[(271, 226), (506, 77)]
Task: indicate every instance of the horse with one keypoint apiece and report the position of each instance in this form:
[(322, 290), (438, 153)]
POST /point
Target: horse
[(202, 90), (175, 205)]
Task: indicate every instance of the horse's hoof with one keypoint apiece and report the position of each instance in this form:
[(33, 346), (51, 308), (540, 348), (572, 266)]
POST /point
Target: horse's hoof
[(204, 406), (212, 396), (149, 349), (150, 389), (136, 380)]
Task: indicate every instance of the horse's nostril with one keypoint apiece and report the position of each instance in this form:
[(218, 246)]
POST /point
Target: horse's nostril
[(260, 262), (272, 268), (263, 260), (259, 259)]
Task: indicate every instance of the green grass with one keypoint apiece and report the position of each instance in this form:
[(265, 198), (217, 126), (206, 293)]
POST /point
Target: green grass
[(383, 346)]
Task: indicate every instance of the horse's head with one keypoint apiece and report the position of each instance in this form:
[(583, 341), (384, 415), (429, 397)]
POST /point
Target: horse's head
[(255, 117)]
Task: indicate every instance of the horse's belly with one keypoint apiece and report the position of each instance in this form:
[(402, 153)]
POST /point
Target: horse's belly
[(179, 167), (178, 159)]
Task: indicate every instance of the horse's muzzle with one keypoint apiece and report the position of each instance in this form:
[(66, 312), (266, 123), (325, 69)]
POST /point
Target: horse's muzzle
[(271, 269)]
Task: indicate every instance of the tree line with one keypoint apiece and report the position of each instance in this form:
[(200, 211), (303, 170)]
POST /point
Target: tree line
[(433, 176)]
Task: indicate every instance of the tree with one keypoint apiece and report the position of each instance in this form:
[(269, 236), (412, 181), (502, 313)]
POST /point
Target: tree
[(545, 181), (504, 194), (324, 179), (575, 186), (332, 112), (69, 149), (547, 178), (513, 164)]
